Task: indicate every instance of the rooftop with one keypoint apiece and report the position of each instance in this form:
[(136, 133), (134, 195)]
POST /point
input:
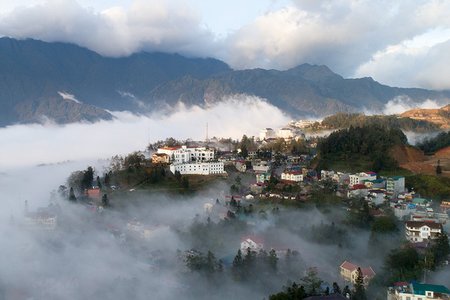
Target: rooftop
[(421, 288)]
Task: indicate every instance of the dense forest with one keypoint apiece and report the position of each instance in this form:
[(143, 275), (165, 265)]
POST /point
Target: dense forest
[(369, 144), (345, 120), (430, 146)]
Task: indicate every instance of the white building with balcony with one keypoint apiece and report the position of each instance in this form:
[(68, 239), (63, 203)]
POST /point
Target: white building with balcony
[(420, 231), (418, 291), (184, 154)]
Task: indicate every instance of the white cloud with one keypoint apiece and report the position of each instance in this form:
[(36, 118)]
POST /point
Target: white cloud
[(399, 42), (68, 96), (156, 25), (50, 143), (401, 104)]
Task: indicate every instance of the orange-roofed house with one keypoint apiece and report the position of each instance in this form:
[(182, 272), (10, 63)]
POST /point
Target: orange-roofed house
[(94, 193), (349, 272)]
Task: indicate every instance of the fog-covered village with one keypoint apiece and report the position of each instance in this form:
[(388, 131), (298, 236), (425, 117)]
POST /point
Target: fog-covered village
[(257, 218)]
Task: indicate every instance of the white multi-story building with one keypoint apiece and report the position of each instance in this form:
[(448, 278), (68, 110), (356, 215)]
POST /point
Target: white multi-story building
[(267, 133), (395, 185), (184, 154), (285, 133), (420, 231), (360, 177), (199, 168)]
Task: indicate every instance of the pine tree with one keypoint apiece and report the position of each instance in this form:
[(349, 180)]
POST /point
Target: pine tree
[(105, 200), (346, 292), (72, 195), (273, 259), (336, 288), (238, 265), (359, 290)]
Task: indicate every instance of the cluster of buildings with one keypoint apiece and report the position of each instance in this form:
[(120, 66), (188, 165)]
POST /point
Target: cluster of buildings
[(417, 291), (189, 160)]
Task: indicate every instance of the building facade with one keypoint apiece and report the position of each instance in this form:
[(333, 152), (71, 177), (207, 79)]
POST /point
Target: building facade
[(199, 168), (422, 231)]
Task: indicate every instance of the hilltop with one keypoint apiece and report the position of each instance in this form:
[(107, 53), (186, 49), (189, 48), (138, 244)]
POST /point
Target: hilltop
[(439, 116)]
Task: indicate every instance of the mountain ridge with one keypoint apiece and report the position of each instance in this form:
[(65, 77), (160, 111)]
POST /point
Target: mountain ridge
[(33, 71)]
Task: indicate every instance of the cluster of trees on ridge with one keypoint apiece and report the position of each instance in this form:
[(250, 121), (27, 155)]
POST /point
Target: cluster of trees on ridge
[(370, 143), (345, 120), (431, 146)]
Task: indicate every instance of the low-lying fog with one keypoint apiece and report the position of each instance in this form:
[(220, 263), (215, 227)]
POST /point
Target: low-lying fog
[(91, 255)]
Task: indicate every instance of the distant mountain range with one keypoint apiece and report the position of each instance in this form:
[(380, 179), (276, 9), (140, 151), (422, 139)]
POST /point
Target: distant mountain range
[(68, 83)]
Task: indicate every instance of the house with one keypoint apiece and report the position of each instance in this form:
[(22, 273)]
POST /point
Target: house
[(360, 177), (41, 219), (418, 291), (240, 165), (267, 133), (445, 206), (262, 177), (292, 176), (285, 133), (358, 190), (377, 197), (160, 158), (94, 193), (422, 202), (349, 272), (254, 243), (395, 185), (261, 167), (420, 231), (325, 174)]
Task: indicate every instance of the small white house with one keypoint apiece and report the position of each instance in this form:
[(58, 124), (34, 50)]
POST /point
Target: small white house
[(360, 177), (254, 243)]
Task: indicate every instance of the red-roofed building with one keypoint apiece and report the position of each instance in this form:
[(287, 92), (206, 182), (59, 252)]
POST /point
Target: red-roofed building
[(349, 272), (292, 176), (94, 193)]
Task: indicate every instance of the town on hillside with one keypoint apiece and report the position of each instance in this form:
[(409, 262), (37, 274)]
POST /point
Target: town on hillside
[(268, 208)]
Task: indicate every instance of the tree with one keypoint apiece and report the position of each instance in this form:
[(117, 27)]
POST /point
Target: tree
[(359, 290), (107, 179), (438, 168), (311, 281), (238, 266), (105, 200), (346, 292), (99, 183), (336, 289), (273, 259), (72, 195), (185, 182), (88, 178), (441, 248)]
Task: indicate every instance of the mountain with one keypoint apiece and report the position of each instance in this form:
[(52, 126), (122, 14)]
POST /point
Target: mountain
[(439, 116), (34, 75)]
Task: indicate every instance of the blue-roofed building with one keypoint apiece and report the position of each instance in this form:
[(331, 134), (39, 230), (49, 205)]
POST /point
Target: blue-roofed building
[(419, 291)]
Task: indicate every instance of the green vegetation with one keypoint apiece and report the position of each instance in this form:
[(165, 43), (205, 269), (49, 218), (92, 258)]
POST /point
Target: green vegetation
[(431, 146), (429, 185), (361, 146), (345, 120)]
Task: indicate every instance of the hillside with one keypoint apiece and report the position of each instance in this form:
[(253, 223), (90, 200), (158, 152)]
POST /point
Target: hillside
[(440, 117), (33, 72), (345, 120), (361, 148)]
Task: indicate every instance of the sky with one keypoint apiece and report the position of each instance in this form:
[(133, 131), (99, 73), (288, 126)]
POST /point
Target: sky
[(401, 42)]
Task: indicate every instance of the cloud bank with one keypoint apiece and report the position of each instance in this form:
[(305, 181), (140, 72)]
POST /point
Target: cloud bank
[(50, 143), (397, 42)]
